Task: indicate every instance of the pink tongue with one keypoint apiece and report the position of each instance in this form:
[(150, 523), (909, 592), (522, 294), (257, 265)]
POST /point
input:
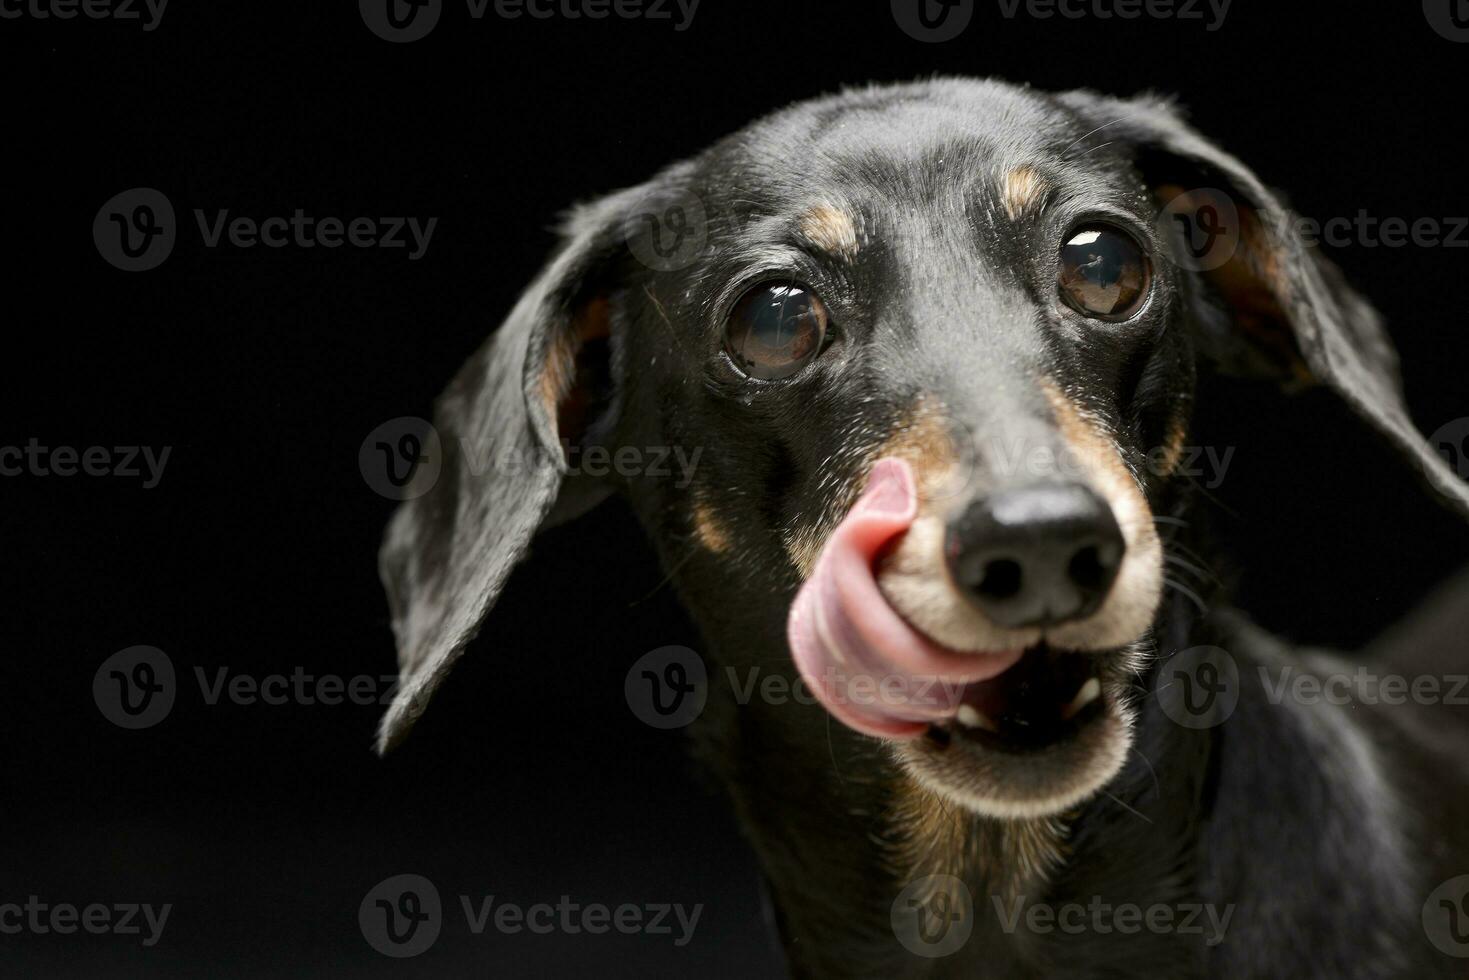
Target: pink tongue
[(870, 669)]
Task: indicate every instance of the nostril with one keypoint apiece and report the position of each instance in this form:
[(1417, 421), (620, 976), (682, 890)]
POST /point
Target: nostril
[(1093, 567), (1001, 579), (1087, 570)]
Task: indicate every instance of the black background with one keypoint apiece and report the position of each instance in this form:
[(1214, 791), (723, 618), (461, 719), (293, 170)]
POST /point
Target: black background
[(265, 369)]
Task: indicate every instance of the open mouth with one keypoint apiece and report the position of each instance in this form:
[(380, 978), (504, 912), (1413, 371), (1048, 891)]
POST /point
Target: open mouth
[(1014, 733), (1045, 699), (878, 674)]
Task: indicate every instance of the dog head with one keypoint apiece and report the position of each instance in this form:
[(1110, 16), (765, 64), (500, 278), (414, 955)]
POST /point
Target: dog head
[(932, 348)]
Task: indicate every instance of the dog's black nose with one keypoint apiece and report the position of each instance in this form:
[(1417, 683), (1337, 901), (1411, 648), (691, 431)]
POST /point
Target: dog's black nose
[(1036, 556)]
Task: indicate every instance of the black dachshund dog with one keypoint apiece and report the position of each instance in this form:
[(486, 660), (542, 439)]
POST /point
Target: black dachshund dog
[(938, 346)]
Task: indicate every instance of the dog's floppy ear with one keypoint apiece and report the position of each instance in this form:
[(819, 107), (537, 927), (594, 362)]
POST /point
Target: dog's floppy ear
[(541, 380), (1284, 309)]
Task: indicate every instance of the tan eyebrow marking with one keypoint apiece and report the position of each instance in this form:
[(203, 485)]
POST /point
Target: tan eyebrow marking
[(709, 529), (1023, 189), (830, 229)]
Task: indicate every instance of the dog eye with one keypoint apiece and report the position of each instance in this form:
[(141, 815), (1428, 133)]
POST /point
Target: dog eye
[(1104, 273), (774, 330)]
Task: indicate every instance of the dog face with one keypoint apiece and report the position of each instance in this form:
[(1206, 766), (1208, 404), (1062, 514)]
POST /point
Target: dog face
[(929, 284), (934, 351)]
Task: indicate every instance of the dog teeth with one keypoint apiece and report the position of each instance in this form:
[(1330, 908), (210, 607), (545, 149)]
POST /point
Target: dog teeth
[(1089, 692), (971, 717)]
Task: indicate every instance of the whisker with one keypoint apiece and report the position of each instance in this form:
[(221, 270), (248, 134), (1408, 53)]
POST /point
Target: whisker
[(1094, 149), (1122, 118), (1186, 592), (1125, 806), (1209, 496), (666, 579), (1157, 787), (1188, 552), (1188, 566), (662, 313)]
